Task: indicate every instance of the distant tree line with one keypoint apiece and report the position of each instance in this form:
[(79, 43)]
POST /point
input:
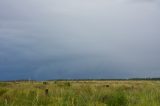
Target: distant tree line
[(25, 80), (144, 79)]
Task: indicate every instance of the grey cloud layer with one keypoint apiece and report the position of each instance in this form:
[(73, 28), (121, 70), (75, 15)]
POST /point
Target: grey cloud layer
[(79, 39)]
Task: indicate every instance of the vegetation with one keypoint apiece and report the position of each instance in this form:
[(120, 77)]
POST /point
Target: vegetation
[(80, 93)]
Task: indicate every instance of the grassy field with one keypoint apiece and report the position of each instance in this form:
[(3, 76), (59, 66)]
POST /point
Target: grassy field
[(80, 93)]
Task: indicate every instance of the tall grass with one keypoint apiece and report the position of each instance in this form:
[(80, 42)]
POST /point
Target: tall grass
[(90, 93)]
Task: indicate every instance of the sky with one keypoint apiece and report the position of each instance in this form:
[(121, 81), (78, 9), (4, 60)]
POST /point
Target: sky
[(79, 39)]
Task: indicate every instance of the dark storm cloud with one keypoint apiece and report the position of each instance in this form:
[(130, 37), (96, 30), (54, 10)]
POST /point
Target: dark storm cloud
[(79, 39)]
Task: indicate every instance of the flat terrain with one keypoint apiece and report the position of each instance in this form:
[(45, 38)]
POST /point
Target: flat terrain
[(80, 93)]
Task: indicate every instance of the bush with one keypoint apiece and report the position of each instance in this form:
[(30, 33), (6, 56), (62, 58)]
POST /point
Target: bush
[(3, 84), (117, 98), (3, 91), (68, 84)]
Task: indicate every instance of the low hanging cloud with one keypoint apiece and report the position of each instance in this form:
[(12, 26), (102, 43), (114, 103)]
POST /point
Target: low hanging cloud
[(79, 39)]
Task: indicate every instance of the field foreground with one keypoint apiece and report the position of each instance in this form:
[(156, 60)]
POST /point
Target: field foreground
[(80, 93)]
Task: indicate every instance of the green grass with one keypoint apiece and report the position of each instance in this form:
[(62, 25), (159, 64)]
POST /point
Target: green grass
[(81, 93)]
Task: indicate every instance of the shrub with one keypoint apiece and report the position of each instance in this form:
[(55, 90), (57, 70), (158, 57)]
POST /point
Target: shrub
[(117, 98), (68, 84), (3, 91), (45, 83), (3, 84)]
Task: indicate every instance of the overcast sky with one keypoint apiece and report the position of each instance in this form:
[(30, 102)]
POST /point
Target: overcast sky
[(68, 39)]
